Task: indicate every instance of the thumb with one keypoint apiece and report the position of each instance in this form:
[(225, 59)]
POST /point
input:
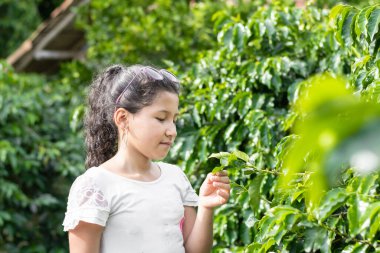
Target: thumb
[(208, 179)]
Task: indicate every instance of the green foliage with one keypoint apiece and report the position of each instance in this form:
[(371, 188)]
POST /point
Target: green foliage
[(237, 95), (245, 71), (51, 149), (332, 3), (39, 156), (150, 32), (357, 31), (327, 121), (238, 98)]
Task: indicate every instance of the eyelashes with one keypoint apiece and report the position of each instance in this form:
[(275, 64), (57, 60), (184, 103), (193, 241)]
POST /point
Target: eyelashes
[(163, 119)]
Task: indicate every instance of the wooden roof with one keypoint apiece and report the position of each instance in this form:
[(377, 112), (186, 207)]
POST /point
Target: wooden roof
[(54, 41)]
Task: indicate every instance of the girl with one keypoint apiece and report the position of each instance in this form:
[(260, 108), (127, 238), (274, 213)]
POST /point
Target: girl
[(126, 202)]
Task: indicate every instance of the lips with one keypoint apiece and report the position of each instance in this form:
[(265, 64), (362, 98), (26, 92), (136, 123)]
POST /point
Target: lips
[(168, 143)]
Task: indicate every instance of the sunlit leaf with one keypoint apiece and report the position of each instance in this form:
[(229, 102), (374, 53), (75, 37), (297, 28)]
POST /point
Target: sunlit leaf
[(255, 193), (373, 22)]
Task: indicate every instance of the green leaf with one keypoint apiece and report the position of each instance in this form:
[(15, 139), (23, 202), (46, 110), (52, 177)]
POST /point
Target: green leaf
[(236, 185), (373, 23), (346, 27), (317, 238), (254, 191), (268, 244), (189, 146), (334, 199), (269, 25), (297, 194), (230, 130), (277, 222), (357, 248), (367, 183), (341, 21), (228, 38), (360, 62), (203, 149), (196, 117), (354, 214), (369, 214), (239, 36), (250, 221), (253, 248), (334, 13), (265, 228), (361, 21), (241, 155), (217, 169), (374, 227), (219, 155)]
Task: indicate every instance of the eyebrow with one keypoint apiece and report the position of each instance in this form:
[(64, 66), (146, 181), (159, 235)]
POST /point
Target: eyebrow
[(165, 111)]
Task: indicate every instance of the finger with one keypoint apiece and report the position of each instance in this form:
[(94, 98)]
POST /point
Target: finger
[(222, 186), (222, 173), (223, 194), (209, 178), (220, 179)]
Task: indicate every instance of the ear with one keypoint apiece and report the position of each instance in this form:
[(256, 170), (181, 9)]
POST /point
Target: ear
[(120, 117)]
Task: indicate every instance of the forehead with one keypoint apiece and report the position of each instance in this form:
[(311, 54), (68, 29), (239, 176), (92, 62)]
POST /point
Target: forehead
[(164, 101)]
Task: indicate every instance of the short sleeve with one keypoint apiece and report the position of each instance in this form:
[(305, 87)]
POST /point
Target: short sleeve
[(86, 202), (189, 197)]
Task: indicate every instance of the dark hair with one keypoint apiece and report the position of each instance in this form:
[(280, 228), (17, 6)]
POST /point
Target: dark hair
[(118, 86)]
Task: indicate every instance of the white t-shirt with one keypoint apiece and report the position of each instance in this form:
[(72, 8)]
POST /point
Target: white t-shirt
[(139, 217)]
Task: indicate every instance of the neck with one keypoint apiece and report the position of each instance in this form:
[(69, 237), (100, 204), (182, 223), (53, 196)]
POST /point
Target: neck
[(132, 164), (128, 161)]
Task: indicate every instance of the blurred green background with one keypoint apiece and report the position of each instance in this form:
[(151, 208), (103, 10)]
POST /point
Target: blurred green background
[(284, 96)]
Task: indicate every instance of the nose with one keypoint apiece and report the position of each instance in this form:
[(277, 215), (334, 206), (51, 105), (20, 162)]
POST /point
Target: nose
[(171, 131)]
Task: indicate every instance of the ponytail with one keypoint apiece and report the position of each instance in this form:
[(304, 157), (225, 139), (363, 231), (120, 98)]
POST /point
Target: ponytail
[(100, 131)]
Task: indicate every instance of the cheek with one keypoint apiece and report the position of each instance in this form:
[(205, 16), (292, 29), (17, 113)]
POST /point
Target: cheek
[(148, 130)]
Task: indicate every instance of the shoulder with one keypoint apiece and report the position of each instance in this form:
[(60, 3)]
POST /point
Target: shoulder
[(93, 178), (180, 180), (88, 200), (168, 166), (94, 174), (170, 169), (174, 172)]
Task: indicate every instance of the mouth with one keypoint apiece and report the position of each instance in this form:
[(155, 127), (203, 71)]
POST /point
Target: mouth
[(168, 143)]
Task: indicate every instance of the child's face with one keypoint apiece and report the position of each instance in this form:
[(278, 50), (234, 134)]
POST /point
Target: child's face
[(152, 130)]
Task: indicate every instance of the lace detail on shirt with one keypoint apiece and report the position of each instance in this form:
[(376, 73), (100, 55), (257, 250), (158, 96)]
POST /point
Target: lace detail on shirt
[(88, 194), (87, 203)]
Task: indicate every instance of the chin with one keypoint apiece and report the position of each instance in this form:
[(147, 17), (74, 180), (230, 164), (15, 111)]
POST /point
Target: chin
[(159, 156)]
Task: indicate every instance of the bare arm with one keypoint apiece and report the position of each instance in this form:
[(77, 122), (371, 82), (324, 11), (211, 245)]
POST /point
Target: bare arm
[(198, 226), (85, 238), (197, 230)]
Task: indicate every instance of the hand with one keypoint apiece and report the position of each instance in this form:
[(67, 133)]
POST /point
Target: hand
[(215, 190)]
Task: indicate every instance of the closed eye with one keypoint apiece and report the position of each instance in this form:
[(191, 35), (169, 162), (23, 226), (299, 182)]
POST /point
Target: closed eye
[(160, 119)]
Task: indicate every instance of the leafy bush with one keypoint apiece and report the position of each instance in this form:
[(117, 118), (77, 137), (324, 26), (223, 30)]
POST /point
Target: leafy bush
[(243, 68), (39, 157), (238, 97), (151, 32), (241, 96)]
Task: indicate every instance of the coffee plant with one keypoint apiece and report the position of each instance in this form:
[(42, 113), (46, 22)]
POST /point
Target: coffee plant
[(249, 93), (284, 98)]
